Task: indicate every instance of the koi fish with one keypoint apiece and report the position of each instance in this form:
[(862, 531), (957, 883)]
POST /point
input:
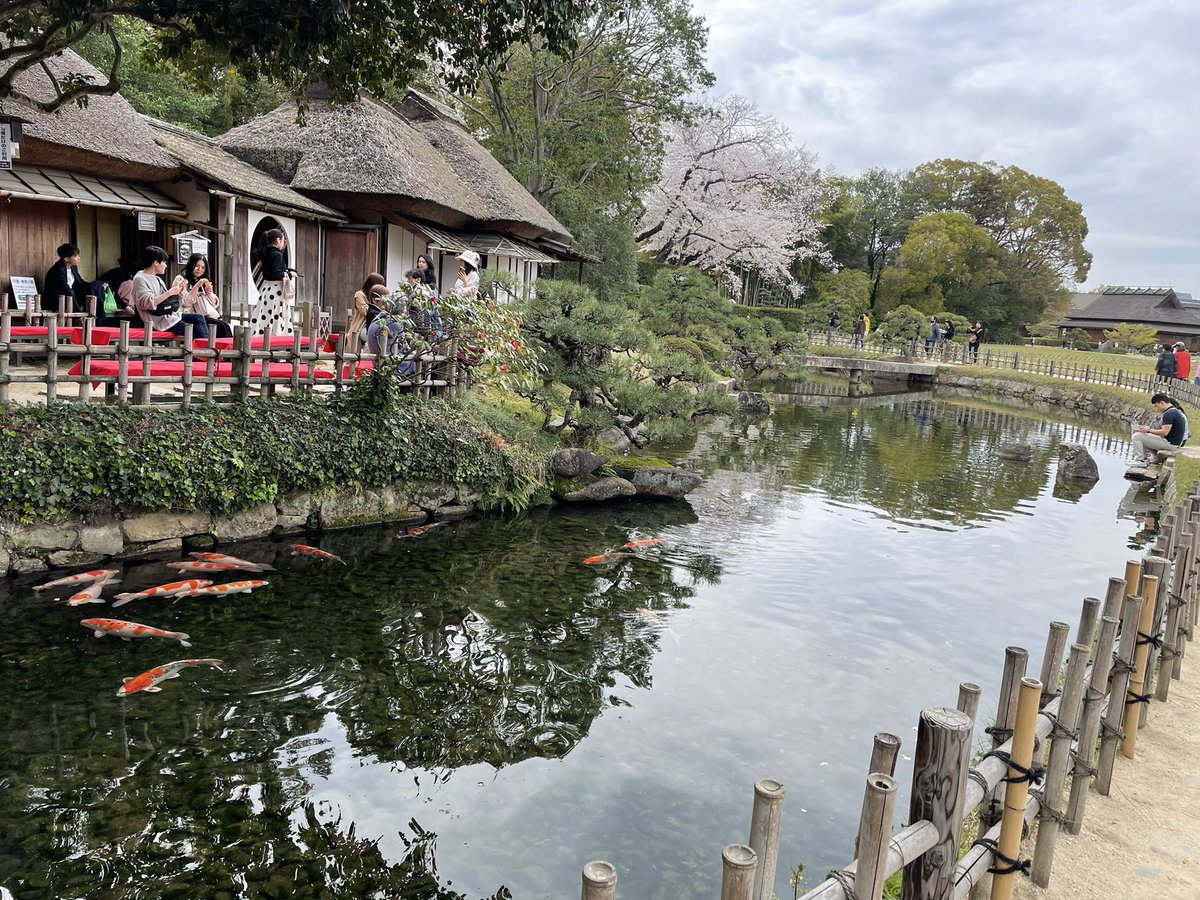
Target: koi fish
[(653, 618), (196, 565), (606, 557), (170, 589), (90, 594), (643, 542), (80, 578), (315, 552), (233, 561), (149, 680), (418, 530), (127, 630), (219, 590)]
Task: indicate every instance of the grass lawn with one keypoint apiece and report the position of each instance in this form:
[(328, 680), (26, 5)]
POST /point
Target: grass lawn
[(1126, 362)]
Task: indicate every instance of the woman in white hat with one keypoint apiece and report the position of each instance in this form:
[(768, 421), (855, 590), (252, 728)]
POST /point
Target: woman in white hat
[(468, 271)]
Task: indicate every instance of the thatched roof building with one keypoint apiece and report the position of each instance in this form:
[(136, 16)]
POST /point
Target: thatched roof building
[(1174, 316), (105, 138), (419, 162)]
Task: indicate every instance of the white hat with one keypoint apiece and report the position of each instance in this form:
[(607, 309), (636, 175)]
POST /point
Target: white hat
[(469, 256)]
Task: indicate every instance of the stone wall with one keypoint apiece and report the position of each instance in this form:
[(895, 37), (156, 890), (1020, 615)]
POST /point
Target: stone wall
[(1072, 396)]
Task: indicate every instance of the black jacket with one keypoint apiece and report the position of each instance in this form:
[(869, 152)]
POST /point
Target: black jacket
[(273, 266), (55, 285)]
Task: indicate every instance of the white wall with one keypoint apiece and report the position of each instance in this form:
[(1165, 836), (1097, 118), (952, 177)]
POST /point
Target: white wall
[(403, 248)]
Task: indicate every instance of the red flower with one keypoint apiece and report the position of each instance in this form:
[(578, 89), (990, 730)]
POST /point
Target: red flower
[(504, 367)]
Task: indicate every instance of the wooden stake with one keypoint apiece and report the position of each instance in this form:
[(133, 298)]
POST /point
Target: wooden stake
[(1060, 759), (1137, 682), (1087, 622), (883, 759), (599, 881), (1056, 642), (880, 804), (943, 749), (1157, 566), (1114, 598), (1133, 575), (764, 834), (1116, 694), (1089, 724), (737, 874), (1173, 636), (1017, 791)]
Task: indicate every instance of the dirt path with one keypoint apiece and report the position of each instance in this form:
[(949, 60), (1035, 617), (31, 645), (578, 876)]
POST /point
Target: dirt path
[(1143, 840)]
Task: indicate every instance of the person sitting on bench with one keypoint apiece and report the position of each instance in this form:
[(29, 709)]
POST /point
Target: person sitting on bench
[(157, 304), (1170, 435)]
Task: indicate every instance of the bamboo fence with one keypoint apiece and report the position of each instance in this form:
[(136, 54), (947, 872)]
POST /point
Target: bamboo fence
[(1068, 723)]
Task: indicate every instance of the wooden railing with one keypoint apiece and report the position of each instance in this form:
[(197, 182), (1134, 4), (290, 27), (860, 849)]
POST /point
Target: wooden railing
[(1127, 649)]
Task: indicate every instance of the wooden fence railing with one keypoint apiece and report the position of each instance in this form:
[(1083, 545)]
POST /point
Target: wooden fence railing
[(997, 358), (128, 368), (1127, 649)]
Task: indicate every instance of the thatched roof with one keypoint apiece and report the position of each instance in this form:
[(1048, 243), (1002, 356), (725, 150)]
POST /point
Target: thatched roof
[(367, 155), (508, 204), (354, 154), (217, 168), (1161, 308), (107, 137)]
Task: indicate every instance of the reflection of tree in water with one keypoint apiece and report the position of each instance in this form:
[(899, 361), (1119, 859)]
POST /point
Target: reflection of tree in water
[(483, 642)]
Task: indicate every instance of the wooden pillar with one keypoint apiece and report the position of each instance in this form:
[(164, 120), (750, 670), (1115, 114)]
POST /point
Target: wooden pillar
[(764, 834), (1156, 566), (188, 359), (739, 864), (599, 881), (1017, 791), (1087, 621), (1122, 666), (943, 749), (1173, 637), (1089, 725), (1056, 642), (879, 803), (5, 348), (1137, 681), (883, 759), (1113, 599)]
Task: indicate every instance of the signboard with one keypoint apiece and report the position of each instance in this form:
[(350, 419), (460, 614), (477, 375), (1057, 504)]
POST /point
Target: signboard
[(147, 222), (187, 244), (24, 292), (5, 145)]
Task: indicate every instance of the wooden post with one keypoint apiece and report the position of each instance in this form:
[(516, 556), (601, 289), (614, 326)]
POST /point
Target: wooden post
[(943, 749), (1087, 622), (1089, 725), (1133, 581), (879, 803), (1137, 682), (1156, 566), (1122, 666), (6, 355), (599, 881), (1017, 791), (241, 364), (123, 363), (85, 361), (339, 361), (51, 364), (764, 834), (1114, 598), (1173, 637), (1060, 759), (883, 759), (188, 359), (737, 873), (1056, 642), (141, 388)]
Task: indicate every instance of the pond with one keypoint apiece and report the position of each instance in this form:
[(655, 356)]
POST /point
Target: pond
[(476, 713)]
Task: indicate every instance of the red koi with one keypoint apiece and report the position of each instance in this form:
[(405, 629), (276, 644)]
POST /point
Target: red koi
[(606, 557), (90, 594), (195, 565), (234, 561), (149, 680), (418, 530), (315, 552), (643, 542), (229, 587), (127, 630), (80, 578), (171, 589)]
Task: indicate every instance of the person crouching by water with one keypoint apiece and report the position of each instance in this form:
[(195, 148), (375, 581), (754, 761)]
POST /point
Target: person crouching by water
[(200, 297), (159, 305), (1169, 435)]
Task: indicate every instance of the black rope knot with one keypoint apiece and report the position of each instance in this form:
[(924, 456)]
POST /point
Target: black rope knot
[(1120, 667), (999, 731), (1132, 698), (1154, 640), (1058, 729), (1010, 865), (1112, 731), (1032, 774)]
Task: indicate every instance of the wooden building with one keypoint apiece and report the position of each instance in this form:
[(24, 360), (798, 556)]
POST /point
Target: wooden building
[(1174, 316)]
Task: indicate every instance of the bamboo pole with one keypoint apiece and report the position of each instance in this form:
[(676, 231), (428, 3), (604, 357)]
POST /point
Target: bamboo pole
[(1133, 576), (1157, 566), (1089, 725), (943, 749), (1056, 643), (1017, 790), (1114, 598), (51, 364), (1088, 615), (1122, 666), (880, 801), (1137, 681), (188, 359), (241, 363), (884, 751), (1060, 759), (1175, 604), (905, 847), (85, 362), (971, 872), (123, 363), (737, 873), (599, 881), (968, 699), (764, 834), (141, 385), (6, 343)]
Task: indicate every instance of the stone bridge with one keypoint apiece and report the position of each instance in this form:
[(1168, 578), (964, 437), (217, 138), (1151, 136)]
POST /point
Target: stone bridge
[(894, 369)]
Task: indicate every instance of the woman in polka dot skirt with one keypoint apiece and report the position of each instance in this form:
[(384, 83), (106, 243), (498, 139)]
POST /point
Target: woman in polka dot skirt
[(273, 314)]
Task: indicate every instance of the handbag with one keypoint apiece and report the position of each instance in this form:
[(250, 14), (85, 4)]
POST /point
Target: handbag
[(287, 287), (168, 306)]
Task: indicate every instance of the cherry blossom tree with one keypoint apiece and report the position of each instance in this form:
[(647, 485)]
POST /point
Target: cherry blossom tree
[(734, 193)]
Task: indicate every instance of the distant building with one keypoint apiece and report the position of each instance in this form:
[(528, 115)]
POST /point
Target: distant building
[(1175, 316)]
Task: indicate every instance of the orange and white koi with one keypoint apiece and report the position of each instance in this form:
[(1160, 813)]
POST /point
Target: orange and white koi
[(90, 594), (196, 565), (80, 578), (315, 552), (606, 557), (229, 587), (418, 530), (149, 680), (171, 589), (234, 561), (129, 630), (643, 542)]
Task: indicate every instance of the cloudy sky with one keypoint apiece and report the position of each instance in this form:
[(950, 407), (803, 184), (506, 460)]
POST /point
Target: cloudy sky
[(1102, 97)]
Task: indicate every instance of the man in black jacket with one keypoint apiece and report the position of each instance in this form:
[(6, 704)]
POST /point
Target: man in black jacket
[(63, 279)]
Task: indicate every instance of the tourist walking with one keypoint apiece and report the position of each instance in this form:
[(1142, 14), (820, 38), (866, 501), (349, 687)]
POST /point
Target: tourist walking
[(1166, 364), (835, 322), (860, 331), (933, 339), (1183, 361)]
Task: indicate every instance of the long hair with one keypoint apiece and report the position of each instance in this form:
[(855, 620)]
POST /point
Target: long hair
[(429, 276), (189, 268), (373, 279)]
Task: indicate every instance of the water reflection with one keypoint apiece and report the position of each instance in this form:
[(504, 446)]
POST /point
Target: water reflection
[(476, 713)]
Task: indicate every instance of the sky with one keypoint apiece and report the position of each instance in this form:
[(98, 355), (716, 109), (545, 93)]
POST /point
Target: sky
[(1102, 97)]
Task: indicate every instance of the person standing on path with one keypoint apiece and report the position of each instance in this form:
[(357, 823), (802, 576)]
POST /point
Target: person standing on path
[(1164, 368), (974, 339), (860, 331), (1183, 361), (835, 322)]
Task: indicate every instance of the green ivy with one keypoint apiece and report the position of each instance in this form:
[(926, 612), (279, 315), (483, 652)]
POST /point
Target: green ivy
[(70, 458)]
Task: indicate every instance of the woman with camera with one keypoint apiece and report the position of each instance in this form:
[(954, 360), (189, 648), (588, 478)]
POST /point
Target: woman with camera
[(159, 305), (201, 298)]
